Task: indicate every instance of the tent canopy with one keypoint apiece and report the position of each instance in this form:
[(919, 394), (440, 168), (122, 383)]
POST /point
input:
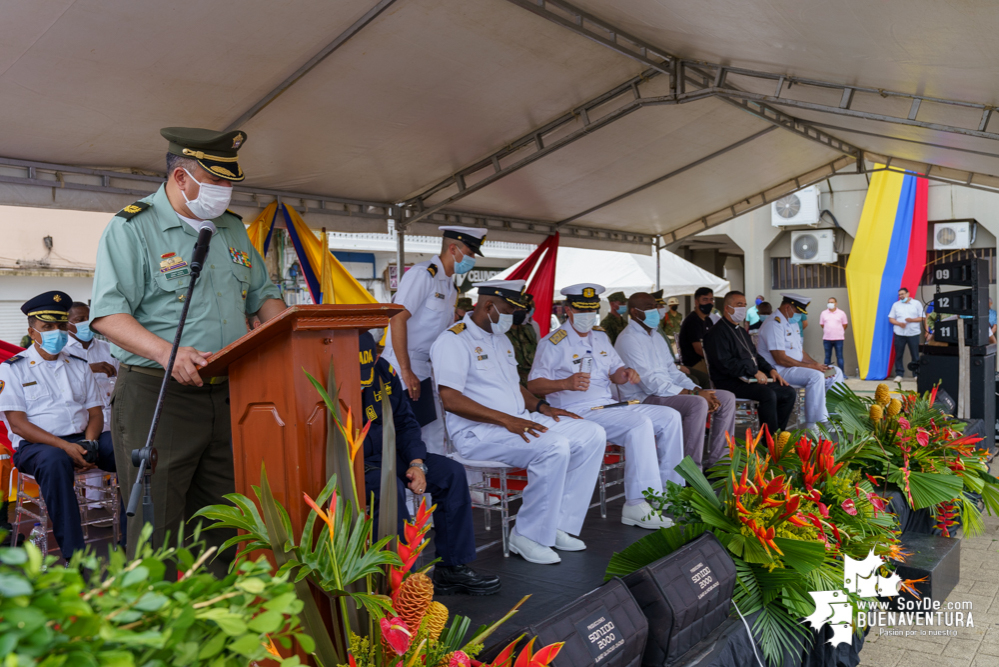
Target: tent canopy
[(629, 273), (614, 122)]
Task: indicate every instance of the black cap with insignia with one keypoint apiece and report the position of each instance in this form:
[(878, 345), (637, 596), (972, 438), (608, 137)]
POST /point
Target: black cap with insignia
[(214, 151), (511, 291), (49, 307)]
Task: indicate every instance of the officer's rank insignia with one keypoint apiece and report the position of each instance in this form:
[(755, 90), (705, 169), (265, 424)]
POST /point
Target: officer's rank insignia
[(56, 298), (240, 257), (432, 270), (589, 292), (575, 356), (558, 336), (370, 413), (603, 353), (173, 265), (777, 317), (237, 141), (133, 210), (2, 385), (478, 350), (457, 328)]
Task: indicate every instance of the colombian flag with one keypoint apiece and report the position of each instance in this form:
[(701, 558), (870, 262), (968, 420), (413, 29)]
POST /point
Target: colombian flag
[(889, 252)]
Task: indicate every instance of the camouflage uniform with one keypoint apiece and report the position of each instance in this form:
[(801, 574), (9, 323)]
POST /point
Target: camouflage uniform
[(525, 343), (613, 325)]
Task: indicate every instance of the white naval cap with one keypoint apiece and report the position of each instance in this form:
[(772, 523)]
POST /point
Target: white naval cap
[(473, 237), (583, 296), (799, 302), (510, 290)]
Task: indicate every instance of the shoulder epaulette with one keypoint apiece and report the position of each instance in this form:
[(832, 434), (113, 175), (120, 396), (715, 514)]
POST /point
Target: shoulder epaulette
[(599, 329), (13, 360), (133, 210), (457, 328), (777, 318), (432, 269), (558, 336), (232, 212)]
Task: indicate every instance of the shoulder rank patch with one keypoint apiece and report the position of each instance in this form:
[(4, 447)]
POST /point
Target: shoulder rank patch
[(232, 212), (558, 336), (599, 329), (13, 360), (457, 328), (777, 318), (133, 210), (432, 270)]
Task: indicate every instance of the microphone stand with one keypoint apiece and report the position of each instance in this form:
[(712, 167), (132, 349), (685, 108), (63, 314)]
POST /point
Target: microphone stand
[(145, 459)]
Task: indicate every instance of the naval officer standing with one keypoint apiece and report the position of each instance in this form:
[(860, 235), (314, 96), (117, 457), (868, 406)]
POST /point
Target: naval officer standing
[(428, 294), (574, 368), (492, 417), (780, 344)]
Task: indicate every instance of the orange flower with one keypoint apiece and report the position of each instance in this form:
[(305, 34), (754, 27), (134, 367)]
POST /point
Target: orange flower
[(907, 585), (327, 518), (272, 649)]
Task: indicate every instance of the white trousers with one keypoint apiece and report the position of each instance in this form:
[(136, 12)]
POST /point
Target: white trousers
[(562, 467), (815, 384), (652, 437)]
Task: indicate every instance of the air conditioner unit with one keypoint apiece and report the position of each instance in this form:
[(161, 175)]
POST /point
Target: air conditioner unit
[(797, 208), (813, 247), (953, 235)]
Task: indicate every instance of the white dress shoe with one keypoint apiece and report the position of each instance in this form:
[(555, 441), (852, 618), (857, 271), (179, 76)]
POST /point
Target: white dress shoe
[(898, 378), (566, 542), (643, 516), (531, 551)]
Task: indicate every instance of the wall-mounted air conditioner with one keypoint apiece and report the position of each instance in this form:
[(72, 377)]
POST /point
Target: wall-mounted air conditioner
[(815, 246), (797, 208), (954, 235)]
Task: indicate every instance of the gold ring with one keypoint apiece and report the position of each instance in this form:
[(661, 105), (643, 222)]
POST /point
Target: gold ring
[(526, 429)]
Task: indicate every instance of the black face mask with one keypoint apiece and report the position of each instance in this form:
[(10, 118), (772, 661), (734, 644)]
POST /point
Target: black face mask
[(520, 317), (706, 308), (673, 307)]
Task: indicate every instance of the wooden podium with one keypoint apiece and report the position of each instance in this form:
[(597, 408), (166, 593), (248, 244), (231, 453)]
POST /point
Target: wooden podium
[(278, 418)]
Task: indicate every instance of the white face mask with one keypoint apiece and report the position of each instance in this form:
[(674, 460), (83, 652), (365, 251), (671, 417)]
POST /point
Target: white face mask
[(831, 306), (584, 322), (504, 323), (738, 314), (662, 312), (211, 202)]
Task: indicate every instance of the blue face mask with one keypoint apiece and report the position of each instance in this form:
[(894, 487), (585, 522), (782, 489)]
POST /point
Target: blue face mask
[(53, 341), (466, 264), (759, 301), (651, 318), (622, 309), (83, 332), (796, 318), (929, 308)]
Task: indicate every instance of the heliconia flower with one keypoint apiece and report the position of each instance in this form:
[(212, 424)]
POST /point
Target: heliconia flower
[(771, 447), (272, 649), (933, 395), (731, 445), (922, 437), (872, 480), (849, 507), (904, 423), (823, 510), (815, 496), (546, 655), (396, 634), (804, 448), (879, 503), (798, 520), (329, 518), (351, 660)]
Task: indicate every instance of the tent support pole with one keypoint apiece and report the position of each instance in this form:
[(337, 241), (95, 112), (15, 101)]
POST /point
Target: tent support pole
[(659, 247), (400, 253)]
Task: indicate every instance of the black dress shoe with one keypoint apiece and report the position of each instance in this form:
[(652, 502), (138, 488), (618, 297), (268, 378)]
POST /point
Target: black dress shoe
[(463, 580)]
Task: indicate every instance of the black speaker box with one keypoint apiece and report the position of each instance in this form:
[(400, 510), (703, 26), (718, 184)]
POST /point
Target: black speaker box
[(685, 596), (605, 627), (941, 364)]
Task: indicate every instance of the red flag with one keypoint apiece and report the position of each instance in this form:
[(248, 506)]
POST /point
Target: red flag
[(542, 286)]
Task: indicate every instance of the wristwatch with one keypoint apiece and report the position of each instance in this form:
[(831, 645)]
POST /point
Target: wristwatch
[(421, 466), (537, 406)]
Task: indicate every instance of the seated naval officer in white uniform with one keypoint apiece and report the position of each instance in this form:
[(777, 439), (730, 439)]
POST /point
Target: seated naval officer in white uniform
[(491, 417), (642, 348), (428, 294), (781, 345), (574, 367)]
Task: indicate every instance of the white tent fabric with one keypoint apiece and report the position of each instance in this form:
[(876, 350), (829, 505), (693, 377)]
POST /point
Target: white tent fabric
[(629, 273)]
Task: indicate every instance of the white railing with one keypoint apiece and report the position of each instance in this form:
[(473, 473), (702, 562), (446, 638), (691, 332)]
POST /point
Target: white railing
[(371, 241)]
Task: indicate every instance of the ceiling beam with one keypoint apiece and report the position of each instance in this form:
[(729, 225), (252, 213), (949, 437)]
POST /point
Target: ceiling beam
[(340, 40), (675, 172)]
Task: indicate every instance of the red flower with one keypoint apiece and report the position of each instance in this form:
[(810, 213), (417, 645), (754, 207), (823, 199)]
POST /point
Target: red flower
[(878, 503), (933, 395), (904, 423), (396, 634), (872, 480), (823, 510), (922, 437), (459, 659), (849, 507)]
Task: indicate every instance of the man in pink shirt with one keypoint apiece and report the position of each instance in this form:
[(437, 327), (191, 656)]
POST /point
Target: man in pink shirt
[(833, 322)]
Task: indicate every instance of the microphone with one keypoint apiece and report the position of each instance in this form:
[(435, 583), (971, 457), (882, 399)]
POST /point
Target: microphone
[(200, 251)]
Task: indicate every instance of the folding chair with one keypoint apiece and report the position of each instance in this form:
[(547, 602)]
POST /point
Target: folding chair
[(747, 411)]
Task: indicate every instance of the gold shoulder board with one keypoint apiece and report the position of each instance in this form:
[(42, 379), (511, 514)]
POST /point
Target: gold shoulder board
[(457, 328), (432, 269), (133, 210), (558, 336)]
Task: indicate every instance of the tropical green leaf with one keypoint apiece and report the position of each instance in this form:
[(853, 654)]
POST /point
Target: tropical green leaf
[(928, 489), (803, 556), (695, 478), (651, 548)]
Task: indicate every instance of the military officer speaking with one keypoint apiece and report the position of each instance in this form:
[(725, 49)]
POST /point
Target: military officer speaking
[(54, 412), (491, 417), (140, 284), (780, 344), (574, 368), (428, 294)]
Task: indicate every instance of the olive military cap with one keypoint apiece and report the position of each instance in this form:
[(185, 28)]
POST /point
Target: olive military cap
[(214, 151)]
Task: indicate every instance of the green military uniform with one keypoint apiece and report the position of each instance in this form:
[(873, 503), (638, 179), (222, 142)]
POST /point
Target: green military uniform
[(613, 324), (525, 344), (142, 271)]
